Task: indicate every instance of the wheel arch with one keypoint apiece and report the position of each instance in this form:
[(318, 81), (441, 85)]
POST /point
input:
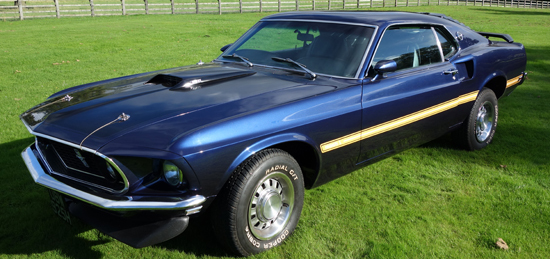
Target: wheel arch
[(307, 157), (300, 147), (497, 83)]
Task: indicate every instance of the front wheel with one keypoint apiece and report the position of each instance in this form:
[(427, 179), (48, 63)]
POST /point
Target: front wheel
[(260, 205), (479, 128)]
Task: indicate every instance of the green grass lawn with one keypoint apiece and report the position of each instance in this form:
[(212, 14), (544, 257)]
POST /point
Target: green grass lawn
[(430, 201)]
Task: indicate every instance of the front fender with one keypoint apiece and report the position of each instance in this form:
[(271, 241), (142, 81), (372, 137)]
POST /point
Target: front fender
[(267, 143)]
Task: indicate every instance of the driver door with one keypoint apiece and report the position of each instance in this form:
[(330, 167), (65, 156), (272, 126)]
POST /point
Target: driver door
[(417, 102)]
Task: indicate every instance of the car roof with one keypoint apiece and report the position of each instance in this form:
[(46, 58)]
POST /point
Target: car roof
[(376, 18)]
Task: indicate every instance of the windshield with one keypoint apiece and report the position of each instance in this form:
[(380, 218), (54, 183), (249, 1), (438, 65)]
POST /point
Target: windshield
[(325, 48)]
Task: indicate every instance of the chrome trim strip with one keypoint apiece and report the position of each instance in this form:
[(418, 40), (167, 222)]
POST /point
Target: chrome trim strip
[(65, 164), (438, 44), (40, 177), (319, 21), (193, 210), (84, 182), (65, 142), (367, 51), (49, 168), (42, 157), (109, 160), (406, 24)]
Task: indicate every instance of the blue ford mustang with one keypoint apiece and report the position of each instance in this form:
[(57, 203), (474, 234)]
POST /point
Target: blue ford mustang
[(300, 99)]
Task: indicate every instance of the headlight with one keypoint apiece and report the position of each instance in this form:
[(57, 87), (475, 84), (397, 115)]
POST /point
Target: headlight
[(172, 174)]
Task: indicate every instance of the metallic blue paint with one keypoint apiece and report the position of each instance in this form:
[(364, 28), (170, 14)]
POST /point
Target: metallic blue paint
[(215, 127), (267, 143)]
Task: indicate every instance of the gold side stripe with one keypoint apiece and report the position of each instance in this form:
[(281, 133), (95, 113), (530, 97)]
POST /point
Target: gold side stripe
[(514, 81), (396, 123)]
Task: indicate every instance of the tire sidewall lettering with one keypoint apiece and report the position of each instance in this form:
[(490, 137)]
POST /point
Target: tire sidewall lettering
[(266, 244), (492, 134), (471, 142), (289, 170), (272, 164), (282, 168), (251, 238), (293, 175)]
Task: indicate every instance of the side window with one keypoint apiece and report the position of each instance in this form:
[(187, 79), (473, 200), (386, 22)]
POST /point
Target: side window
[(408, 46), (448, 44)]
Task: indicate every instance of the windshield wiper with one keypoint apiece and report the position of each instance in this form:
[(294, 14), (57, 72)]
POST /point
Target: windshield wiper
[(288, 60), (243, 59)]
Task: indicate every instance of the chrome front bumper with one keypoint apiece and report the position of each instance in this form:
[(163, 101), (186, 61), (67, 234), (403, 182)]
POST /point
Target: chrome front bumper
[(191, 206)]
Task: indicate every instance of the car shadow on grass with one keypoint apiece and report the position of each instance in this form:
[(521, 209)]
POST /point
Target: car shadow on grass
[(27, 222), (446, 141), (198, 239), (521, 135), (29, 225)]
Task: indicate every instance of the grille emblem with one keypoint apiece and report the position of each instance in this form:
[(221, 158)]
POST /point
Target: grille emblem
[(82, 159)]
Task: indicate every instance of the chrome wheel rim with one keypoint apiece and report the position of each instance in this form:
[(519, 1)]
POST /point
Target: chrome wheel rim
[(484, 121), (271, 206)]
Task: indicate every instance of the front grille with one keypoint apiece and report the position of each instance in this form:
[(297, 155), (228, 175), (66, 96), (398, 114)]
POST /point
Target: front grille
[(79, 166)]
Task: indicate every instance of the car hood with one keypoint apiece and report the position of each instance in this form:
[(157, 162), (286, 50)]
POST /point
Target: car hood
[(189, 97)]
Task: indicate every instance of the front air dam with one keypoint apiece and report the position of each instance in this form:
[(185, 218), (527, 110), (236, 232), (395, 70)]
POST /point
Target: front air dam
[(136, 231)]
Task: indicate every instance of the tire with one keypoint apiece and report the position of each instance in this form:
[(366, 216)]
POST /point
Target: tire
[(260, 205), (479, 128)]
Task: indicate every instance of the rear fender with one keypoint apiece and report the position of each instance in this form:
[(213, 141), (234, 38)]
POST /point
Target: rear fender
[(495, 81)]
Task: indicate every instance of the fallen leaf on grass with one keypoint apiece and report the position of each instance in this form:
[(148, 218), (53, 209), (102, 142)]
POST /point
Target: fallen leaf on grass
[(17, 99), (55, 64), (17, 71), (501, 244), (503, 166)]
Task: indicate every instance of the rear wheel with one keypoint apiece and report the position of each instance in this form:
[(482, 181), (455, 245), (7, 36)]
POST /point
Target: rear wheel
[(479, 128), (260, 205)]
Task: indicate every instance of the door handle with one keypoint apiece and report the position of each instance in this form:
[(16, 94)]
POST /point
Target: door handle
[(451, 71)]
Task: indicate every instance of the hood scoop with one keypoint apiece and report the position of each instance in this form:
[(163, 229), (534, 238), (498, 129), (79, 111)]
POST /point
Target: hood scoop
[(183, 82)]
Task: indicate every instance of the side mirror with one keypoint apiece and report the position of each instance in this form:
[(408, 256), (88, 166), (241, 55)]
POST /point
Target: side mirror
[(225, 47), (384, 66)]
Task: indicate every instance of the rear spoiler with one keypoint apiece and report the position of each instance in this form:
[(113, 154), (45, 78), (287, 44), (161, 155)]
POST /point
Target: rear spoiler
[(505, 37)]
